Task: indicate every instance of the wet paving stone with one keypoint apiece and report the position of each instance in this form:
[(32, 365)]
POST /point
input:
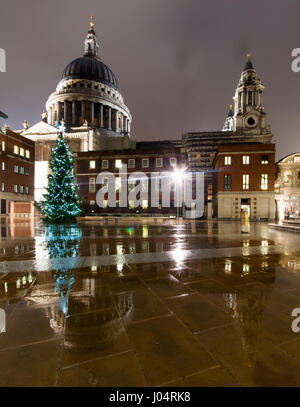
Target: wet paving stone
[(137, 303)]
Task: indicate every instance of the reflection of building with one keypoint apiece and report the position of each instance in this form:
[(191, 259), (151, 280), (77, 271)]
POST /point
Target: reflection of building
[(287, 187), (16, 174), (243, 181)]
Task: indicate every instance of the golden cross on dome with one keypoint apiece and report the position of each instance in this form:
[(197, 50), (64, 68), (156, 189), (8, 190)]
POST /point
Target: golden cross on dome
[(230, 107), (248, 56), (92, 23)]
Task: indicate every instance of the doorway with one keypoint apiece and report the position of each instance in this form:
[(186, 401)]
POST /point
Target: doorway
[(245, 208), (3, 206)]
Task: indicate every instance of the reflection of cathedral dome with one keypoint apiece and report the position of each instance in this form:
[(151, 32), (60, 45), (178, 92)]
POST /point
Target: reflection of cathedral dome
[(90, 68)]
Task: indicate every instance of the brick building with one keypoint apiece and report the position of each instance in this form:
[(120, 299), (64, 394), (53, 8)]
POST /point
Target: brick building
[(243, 181), (16, 173), (160, 163)]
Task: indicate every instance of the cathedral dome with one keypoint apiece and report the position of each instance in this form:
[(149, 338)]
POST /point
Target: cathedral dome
[(91, 68)]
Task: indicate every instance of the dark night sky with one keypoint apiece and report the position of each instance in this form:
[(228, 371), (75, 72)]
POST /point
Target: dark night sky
[(177, 61)]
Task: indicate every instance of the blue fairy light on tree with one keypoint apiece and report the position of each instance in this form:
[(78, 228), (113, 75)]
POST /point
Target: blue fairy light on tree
[(62, 201)]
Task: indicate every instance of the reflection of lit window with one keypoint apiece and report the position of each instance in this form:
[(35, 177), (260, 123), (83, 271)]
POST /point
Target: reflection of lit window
[(245, 268), (246, 243), (120, 249), (228, 266), (131, 248), (264, 265), (5, 287), (94, 268), (145, 231), (264, 243)]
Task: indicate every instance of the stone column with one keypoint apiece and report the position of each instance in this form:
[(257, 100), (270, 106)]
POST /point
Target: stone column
[(116, 121), (59, 112), (101, 116), (109, 118), (66, 111), (49, 116), (73, 112), (83, 110), (92, 113)]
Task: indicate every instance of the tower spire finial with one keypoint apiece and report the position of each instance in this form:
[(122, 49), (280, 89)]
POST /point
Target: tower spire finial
[(92, 23), (248, 56)]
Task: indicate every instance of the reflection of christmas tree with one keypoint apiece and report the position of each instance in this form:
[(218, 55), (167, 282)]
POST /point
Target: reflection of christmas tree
[(61, 201), (63, 242)]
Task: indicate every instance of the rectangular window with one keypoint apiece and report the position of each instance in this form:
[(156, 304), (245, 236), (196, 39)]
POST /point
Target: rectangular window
[(3, 145), (245, 181), (27, 154), (22, 170), (92, 202), (105, 203), (145, 163), (3, 165), (2, 187), (227, 160), (92, 184), (265, 159), (264, 182), (27, 171), (227, 181), (16, 189), (145, 204), (104, 163), (27, 190), (159, 162), (21, 151), (92, 164), (246, 159), (21, 189), (173, 161), (16, 169), (16, 149), (118, 164), (131, 163)]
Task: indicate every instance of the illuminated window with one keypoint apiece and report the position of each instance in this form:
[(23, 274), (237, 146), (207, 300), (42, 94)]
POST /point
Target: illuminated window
[(92, 202), (227, 181), (173, 161), (2, 187), (118, 164), (16, 189), (3, 165), (104, 163), (92, 184), (265, 159), (131, 163), (145, 204), (245, 181), (21, 189), (22, 170), (16, 169), (227, 160), (92, 164), (16, 149), (22, 152), (159, 162), (264, 181), (27, 154), (145, 163), (105, 203), (27, 190), (246, 159), (3, 145)]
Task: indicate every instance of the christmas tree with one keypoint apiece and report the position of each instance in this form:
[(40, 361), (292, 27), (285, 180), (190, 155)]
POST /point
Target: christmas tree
[(61, 202)]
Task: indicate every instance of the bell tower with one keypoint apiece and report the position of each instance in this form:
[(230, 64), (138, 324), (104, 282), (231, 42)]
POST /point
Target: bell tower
[(91, 46), (249, 115)]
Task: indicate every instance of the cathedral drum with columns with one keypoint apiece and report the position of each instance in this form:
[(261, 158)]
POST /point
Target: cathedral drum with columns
[(88, 103)]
